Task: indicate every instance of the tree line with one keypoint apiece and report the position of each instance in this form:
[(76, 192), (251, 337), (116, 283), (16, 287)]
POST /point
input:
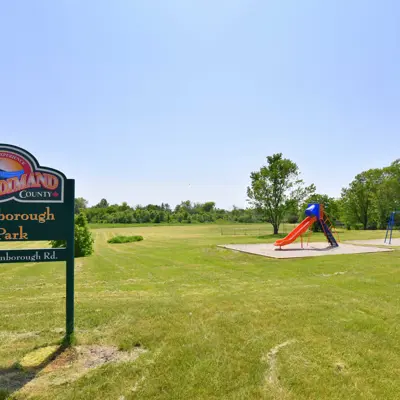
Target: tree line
[(186, 212), (276, 194)]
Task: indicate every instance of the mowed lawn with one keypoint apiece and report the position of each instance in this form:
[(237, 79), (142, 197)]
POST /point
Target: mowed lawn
[(217, 324)]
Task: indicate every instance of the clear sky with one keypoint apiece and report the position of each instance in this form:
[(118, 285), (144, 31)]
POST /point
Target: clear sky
[(162, 101)]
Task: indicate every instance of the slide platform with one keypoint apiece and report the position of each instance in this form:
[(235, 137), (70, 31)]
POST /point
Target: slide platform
[(296, 232)]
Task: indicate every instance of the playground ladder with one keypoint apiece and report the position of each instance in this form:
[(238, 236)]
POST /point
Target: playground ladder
[(332, 227), (328, 232)]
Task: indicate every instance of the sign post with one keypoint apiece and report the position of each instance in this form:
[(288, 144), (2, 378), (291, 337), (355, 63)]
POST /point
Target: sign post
[(37, 203), (70, 273)]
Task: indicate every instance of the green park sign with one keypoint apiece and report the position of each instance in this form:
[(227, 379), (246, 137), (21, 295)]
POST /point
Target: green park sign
[(37, 203)]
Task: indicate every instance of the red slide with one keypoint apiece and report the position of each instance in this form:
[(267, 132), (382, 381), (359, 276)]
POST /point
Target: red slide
[(296, 232)]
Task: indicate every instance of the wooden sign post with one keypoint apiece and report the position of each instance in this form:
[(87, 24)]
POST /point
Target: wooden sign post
[(37, 203)]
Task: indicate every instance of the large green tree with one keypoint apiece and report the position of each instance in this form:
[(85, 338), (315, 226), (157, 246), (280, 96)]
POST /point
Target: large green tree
[(371, 196), (357, 200), (275, 187), (386, 192), (382, 194)]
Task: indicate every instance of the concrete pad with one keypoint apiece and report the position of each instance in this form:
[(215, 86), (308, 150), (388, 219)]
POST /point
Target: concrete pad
[(378, 242), (294, 250)]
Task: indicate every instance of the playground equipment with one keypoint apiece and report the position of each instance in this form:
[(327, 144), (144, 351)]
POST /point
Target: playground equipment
[(389, 229), (315, 214)]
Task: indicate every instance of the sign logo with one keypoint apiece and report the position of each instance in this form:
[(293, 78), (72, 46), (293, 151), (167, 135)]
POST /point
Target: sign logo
[(22, 178), (37, 203)]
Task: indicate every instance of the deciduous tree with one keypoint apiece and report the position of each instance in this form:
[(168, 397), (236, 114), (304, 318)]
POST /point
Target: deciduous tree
[(274, 188), (357, 200)]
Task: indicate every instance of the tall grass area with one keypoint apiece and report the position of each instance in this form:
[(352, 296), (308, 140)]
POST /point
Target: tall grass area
[(217, 324)]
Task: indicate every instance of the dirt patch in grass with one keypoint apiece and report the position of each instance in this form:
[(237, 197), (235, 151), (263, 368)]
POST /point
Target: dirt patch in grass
[(272, 376), (31, 377), (335, 273), (272, 381)]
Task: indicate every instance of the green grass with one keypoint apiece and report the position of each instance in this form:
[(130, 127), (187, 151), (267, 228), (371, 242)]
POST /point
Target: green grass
[(125, 239), (209, 318)]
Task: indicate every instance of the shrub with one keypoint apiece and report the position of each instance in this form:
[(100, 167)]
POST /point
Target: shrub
[(83, 238), (4, 394), (125, 239)]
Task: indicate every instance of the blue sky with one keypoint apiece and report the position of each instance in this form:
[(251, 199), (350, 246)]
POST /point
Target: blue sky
[(162, 101)]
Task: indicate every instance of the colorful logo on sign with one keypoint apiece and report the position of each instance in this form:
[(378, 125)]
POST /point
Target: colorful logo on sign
[(23, 179)]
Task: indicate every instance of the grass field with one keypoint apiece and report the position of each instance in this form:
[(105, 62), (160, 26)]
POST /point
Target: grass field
[(216, 324)]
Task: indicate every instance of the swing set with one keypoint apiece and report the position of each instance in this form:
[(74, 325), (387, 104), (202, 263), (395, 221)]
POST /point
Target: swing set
[(391, 224)]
